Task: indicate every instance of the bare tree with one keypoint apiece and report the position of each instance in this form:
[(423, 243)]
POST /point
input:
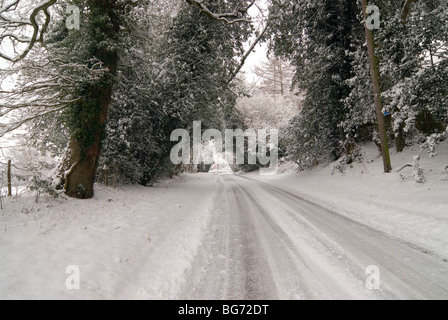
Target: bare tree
[(276, 76), (23, 24), (52, 83)]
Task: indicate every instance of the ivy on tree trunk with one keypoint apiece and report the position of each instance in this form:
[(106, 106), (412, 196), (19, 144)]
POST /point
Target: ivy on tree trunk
[(90, 115)]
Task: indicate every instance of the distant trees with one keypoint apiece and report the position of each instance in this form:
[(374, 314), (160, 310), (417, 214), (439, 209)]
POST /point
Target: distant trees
[(273, 100), (275, 76), (262, 111)]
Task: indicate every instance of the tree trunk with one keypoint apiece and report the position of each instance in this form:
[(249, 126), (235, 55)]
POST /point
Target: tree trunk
[(406, 9), (282, 89), (400, 142), (83, 157), (374, 71), (398, 135), (80, 179)]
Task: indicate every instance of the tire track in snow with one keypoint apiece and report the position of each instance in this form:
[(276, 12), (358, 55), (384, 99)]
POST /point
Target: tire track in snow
[(408, 271)]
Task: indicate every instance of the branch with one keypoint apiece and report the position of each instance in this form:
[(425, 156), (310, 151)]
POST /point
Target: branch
[(19, 123), (8, 22), (229, 18), (8, 6), (299, 164), (405, 166), (43, 87), (406, 9), (16, 37), (246, 55)]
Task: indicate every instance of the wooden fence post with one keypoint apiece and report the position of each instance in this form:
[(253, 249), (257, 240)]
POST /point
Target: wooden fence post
[(9, 179)]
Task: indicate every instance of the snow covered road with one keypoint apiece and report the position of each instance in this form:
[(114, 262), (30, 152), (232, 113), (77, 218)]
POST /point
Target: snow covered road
[(265, 242), (207, 236)]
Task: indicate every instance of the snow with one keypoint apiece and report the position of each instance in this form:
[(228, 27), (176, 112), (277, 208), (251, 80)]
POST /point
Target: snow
[(393, 203), (136, 243), (266, 242), (192, 236)]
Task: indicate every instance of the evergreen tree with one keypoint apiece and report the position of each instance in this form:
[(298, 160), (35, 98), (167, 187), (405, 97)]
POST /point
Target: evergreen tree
[(184, 78), (315, 37)]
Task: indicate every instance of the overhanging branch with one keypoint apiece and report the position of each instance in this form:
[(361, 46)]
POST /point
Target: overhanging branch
[(247, 54), (229, 18)]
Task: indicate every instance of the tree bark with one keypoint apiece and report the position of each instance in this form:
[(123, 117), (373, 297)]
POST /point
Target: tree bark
[(80, 179), (375, 74)]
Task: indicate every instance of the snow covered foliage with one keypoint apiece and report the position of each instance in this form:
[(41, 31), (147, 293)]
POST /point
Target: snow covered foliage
[(326, 43), (132, 147), (262, 111), (315, 36), (414, 67), (109, 95), (360, 116), (417, 171), (176, 71), (32, 166)]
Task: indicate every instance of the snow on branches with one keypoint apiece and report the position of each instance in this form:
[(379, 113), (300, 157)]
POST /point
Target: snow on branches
[(230, 18), (22, 25), (43, 86)]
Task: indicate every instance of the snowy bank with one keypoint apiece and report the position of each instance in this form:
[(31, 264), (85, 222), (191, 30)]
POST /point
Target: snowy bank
[(130, 243)]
